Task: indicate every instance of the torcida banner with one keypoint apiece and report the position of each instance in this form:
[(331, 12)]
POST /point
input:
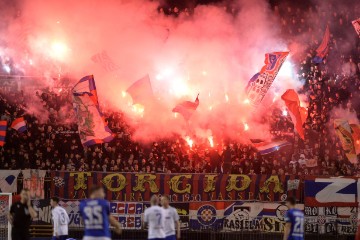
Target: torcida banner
[(139, 187)]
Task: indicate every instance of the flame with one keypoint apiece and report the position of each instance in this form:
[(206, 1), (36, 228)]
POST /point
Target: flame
[(138, 109), (58, 50), (175, 115), (226, 97), (246, 126), (211, 141), (189, 141), (123, 94)]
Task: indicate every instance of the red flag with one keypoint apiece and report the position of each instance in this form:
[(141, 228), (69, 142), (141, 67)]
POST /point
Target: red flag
[(298, 114), (187, 108), (323, 48), (141, 91)]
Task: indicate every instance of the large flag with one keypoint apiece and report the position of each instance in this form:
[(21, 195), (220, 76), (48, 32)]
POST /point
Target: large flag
[(187, 108), (19, 124), (265, 147), (8, 181), (355, 132), (323, 48), (298, 114), (356, 24), (34, 179), (92, 126), (260, 83), (343, 130), (141, 91), (105, 61), (3, 127)]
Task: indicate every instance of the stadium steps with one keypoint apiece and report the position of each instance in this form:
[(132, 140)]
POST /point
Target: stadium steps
[(41, 231)]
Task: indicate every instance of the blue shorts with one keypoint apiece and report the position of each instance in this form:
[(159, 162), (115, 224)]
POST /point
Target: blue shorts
[(63, 237), (172, 237)]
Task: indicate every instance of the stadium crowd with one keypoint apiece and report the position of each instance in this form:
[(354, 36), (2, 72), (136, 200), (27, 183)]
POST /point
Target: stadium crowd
[(54, 144)]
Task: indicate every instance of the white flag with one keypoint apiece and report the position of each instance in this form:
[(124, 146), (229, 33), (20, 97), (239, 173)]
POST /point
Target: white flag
[(8, 180)]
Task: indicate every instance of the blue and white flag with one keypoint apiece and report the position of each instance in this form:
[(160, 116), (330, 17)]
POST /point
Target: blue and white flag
[(8, 180)]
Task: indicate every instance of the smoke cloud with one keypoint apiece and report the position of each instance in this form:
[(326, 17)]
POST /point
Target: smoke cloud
[(210, 52)]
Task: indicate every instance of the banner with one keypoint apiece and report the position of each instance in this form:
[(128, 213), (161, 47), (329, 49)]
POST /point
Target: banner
[(327, 192), (129, 214), (356, 24), (34, 181), (331, 220), (139, 187), (343, 130), (43, 209), (260, 83), (92, 127), (239, 216), (8, 181)]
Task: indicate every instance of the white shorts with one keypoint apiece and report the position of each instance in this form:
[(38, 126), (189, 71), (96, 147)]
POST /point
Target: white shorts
[(96, 238)]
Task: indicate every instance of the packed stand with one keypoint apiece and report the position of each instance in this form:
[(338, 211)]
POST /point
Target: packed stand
[(53, 143)]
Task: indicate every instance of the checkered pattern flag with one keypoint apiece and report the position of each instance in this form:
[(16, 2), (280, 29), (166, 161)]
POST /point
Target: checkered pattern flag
[(59, 182), (105, 61)]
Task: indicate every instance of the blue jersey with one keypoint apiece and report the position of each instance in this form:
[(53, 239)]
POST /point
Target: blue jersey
[(296, 218), (95, 213)]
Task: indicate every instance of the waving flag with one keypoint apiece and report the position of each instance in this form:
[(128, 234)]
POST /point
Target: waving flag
[(141, 91), (3, 127), (265, 147), (19, 124), (298, 114), (105, 61), (92, 127), (356, 24), (260, 83), (343, 130), (323, 49), (187, 108)]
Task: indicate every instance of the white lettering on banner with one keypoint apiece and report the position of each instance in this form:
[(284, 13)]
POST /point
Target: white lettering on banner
[(331, 192)]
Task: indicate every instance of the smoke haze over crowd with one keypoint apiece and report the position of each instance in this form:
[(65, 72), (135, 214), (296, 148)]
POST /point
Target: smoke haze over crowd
[(210, 52)]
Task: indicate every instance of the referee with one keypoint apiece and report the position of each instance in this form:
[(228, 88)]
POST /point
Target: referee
[(20, 217)]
